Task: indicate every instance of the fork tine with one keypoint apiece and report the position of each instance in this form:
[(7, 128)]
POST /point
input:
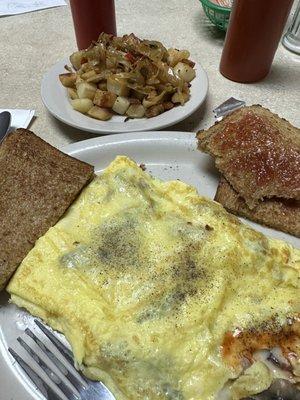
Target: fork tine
[(68, 374), (57, 343), (56, 379), (43, 387), (97, 388)]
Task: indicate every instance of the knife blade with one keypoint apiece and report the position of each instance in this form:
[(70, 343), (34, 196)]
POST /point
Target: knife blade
[(5, 119)]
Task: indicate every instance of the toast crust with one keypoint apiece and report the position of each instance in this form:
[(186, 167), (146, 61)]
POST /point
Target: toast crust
[(37, 184), (257, 152), (281, 214)]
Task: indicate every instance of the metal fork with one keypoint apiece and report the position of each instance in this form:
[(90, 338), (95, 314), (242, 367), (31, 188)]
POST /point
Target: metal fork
[(78, 389)]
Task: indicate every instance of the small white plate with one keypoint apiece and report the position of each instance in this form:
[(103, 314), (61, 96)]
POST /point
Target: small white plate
[(166, 155), (55, 98)]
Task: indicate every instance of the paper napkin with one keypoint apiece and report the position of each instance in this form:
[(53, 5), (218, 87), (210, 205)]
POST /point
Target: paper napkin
[(12, 7), (19, 118)]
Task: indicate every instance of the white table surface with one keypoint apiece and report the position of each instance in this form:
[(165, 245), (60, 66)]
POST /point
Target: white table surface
[(33, 42)]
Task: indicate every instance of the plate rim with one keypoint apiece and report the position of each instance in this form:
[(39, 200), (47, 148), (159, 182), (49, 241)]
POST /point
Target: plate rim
[(203, 78), (86, 144)]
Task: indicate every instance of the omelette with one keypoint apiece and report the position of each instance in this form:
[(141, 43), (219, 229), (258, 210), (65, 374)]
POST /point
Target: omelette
[(162, 294)]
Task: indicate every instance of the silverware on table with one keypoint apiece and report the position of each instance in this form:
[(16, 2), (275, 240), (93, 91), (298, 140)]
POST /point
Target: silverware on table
[(72, 384), (227, 107), (5, 119)]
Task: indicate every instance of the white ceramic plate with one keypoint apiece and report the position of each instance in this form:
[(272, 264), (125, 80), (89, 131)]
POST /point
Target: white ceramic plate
[(55, 98), (167, 155)]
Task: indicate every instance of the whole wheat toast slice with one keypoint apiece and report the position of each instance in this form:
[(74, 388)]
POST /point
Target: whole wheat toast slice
[(37, 185), (257, 152), (281, 214)]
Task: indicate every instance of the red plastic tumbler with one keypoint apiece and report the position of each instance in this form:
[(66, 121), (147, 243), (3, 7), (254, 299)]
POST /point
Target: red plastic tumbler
[(91, 17)]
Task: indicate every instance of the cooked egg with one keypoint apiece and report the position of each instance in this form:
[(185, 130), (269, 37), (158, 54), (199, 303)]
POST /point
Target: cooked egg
[(161, 293)]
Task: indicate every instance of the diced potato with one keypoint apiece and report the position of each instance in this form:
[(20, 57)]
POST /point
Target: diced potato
[(68, 79), (174, 56), (76, 59), (155, 110), (184, 71), (82, 105), (121, 105), (168, 105), (104, 99), (117, 85), (99, 113), (88, 74), (86, 90), (102, 85), (188, 62), (72, 93), (180, 97), (135, 111)]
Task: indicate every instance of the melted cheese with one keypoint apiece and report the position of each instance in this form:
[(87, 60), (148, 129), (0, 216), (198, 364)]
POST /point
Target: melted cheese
[(145, 278)]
